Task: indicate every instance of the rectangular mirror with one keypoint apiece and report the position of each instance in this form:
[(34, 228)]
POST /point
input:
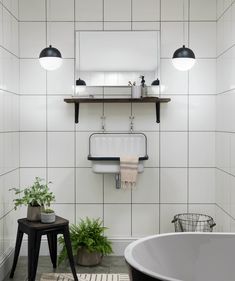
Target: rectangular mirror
[(113, 58)]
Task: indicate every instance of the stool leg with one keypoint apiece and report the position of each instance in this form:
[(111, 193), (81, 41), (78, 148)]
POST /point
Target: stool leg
[(34, 242), (19, 238), (69, 251), (52, 243)]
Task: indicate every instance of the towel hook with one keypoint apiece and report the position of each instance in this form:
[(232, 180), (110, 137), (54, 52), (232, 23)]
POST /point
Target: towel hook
[(131, 123), (103, 123)]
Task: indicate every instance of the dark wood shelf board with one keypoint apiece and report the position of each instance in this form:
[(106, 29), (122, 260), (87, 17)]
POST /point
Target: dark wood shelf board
[(156, 100), (117, 100)]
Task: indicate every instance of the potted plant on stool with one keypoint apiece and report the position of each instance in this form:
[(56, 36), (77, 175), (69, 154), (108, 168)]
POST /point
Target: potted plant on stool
[(35, 197), (88, 242)]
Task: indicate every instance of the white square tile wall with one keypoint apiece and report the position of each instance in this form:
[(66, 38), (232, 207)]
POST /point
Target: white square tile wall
[(9, 124), (53, 147), (225, 129)]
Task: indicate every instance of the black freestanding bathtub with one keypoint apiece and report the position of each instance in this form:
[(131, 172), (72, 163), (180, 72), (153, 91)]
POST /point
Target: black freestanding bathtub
[(182, 257)]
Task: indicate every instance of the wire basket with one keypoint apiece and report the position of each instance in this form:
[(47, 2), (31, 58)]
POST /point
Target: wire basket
[(191, 222)]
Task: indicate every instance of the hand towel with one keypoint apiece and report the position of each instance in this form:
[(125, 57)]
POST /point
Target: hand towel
[(128, 171)]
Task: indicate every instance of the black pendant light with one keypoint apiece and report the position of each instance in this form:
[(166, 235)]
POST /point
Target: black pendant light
[(80, 86), (155, 82), (50, 58), (184, 58)]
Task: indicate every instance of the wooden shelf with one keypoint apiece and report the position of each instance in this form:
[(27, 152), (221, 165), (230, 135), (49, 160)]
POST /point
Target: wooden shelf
[(156, 100)]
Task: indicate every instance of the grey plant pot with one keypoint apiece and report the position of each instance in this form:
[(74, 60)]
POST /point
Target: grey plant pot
[(47, 217), (34, 213), (86, 258)]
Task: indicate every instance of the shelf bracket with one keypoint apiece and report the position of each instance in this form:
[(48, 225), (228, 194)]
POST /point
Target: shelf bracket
[(76, 104), (157, 112)]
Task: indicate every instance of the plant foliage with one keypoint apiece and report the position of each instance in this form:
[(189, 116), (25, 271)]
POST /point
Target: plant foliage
[(89, 233), (36, 195)]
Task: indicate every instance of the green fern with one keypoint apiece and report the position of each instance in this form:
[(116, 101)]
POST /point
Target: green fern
[(89, 233)]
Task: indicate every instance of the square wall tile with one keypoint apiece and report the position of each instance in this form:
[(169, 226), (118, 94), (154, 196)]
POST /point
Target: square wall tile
[(174, 185), (93, 211), (203, 39), (223, 152), (147, 11), (167, 213), (32, 39), (202, 185), (172, 10), (223, 190), (232, 153), (201, 149), (117, 116), (89, 10), (61, 149), (145, 117), (172, 37), (32, 10), (113, 195), (60, 115), (60, 10), (62, 36), (147, 187), (61, 81), (202, 113), (142, 227), (117, 25), (153, 149), (117, 10), (33, 149), (62, 184), (82, 149), (32, 77), (1, 21), (89, 25), (207, 13), (33, 113), (202, 77), (173, 149), (89, 117), (172, 80), (28, 175), (146, 25), (65, 211), (118, 220), (174, 114), (89, 186)]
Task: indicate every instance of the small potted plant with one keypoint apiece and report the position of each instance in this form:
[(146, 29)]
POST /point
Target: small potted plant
[(88, 242), (35, 197), (47, 215)]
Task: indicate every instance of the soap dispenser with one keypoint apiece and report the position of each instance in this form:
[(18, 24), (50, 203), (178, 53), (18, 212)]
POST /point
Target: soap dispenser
[(143, 87)]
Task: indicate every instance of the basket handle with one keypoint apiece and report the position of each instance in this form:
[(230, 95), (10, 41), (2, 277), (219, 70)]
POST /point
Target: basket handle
[(174, 220), (214, 224)]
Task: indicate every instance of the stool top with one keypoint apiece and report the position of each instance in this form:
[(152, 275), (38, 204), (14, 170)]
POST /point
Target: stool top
[(38, 225)]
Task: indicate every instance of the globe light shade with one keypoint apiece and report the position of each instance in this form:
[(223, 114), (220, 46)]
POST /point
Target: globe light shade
[(155, 86), (50, 58), (80, 86), (183, 59)]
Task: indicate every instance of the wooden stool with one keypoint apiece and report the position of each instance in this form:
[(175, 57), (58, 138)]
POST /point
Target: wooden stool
[(35, 230)]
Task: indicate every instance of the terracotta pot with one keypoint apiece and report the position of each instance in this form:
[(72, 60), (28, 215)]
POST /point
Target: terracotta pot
[(47, 217), (34, 213), (86, 258)]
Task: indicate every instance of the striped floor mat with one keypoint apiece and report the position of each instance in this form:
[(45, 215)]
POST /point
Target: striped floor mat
[(84, 277)]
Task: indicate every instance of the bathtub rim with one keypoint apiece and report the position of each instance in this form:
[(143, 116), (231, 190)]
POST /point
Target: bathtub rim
[(132, 262)]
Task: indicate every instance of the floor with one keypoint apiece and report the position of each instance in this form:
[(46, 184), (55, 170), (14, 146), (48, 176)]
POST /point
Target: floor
[(109, 264)]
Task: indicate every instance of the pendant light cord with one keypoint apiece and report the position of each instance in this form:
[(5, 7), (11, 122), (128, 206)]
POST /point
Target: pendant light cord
[(46, 21), (184, 37)]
